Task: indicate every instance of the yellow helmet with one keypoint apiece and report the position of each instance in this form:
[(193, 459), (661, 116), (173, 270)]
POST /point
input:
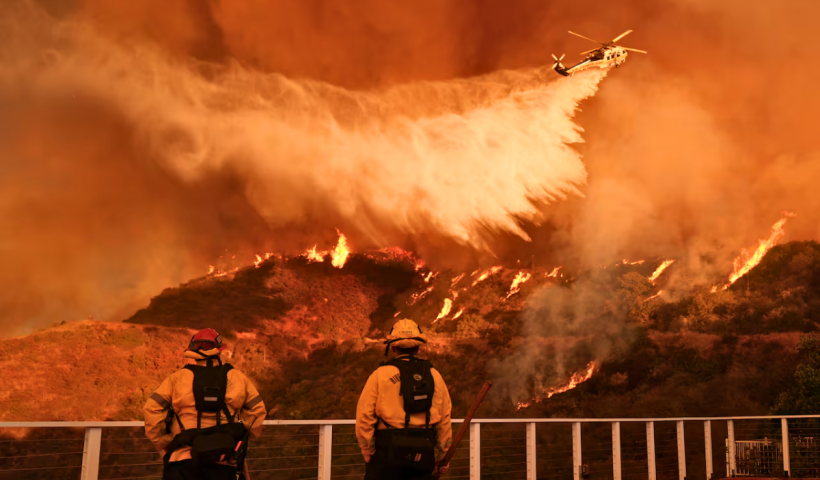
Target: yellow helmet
[(404, 334)]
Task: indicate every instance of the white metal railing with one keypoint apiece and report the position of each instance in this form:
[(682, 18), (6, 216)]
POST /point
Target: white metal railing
[(92, 444)]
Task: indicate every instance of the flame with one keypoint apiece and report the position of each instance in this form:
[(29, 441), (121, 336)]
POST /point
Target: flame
[(745, 263), (340, 253), (658, 271), (314, 256), (211, 269), (418, 296), (576, 379), (554, 272), (454, 281), (445, 310), (517, 282), (458, 314), (654, 296), (258, 261), (627, 262), (485, 274)]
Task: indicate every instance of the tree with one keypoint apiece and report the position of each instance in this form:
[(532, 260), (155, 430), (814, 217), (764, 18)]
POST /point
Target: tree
[(803, 396)]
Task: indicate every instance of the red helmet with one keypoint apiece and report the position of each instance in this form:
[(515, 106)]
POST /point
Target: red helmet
[(206, 339)]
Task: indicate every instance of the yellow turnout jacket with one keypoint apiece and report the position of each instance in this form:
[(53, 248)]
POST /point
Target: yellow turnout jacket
[(177, 391), (382, 397)]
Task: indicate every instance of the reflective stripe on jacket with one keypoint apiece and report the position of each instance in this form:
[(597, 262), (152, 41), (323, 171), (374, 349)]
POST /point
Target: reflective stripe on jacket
[(382, 397), (177, 390)]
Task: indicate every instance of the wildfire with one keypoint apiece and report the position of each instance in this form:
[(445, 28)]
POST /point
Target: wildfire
[(314, 256), (654, 296), (554, 272), (429, 276), (745, 262), (445, 310), (418, 296), (339, 255), (485, 274), (211, 269), (454, 281), (458, 314), (576, 379), (658, 271), (627, 262), (519, 279)]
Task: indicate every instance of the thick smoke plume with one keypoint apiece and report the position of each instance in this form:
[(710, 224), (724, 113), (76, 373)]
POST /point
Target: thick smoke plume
[(115, 183), (456, 158)]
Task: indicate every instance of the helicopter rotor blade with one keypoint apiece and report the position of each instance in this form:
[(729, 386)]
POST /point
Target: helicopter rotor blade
[(588, 51), (554, 57), (586, 38), (634, 50), (621, 36)]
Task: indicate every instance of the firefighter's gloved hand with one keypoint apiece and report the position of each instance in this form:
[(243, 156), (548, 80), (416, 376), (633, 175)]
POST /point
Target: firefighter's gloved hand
[(443, 469), (367, 457)]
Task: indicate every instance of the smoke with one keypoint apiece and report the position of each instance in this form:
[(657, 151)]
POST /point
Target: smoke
[(457, 157), (139, 140), (563, 329)]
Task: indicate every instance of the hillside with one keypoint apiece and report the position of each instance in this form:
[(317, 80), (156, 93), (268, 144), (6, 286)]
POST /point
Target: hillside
[(308, 334)]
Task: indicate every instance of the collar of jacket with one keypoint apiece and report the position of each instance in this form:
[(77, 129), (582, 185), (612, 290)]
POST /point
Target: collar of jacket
[(195, 358)]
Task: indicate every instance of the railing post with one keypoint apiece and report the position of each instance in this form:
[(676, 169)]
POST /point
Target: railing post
[(616, 450), (650, 450), (784, 425), (475, 451), (325, 450), (576, 450), (730, 426), (681, 452), (531, 462), (707, 440), (91, 453)]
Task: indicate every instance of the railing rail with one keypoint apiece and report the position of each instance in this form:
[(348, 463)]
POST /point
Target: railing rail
[(766, 451)]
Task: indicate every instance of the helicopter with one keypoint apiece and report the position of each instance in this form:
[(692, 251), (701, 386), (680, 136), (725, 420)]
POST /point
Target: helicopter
[(607, 55)]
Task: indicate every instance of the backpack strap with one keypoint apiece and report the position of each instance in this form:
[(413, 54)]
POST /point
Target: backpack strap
[(222, 383)]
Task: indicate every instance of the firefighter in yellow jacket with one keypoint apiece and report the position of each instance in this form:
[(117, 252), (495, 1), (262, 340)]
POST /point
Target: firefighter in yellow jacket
[(199, 396), (403, 422)]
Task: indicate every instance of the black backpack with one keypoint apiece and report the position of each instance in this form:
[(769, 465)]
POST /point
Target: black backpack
[(410, 449), (220, 442)]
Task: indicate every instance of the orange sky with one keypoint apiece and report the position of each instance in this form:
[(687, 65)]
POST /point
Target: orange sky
[(698, 145)]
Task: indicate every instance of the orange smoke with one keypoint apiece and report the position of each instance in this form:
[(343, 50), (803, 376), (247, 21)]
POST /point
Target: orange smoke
[(658, 271), (575, 380)]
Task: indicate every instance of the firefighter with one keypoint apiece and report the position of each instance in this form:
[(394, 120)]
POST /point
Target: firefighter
[(201, 417), (403, 416)]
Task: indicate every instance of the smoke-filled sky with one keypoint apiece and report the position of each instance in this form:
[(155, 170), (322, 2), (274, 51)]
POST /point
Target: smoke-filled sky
[(140, 140)]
